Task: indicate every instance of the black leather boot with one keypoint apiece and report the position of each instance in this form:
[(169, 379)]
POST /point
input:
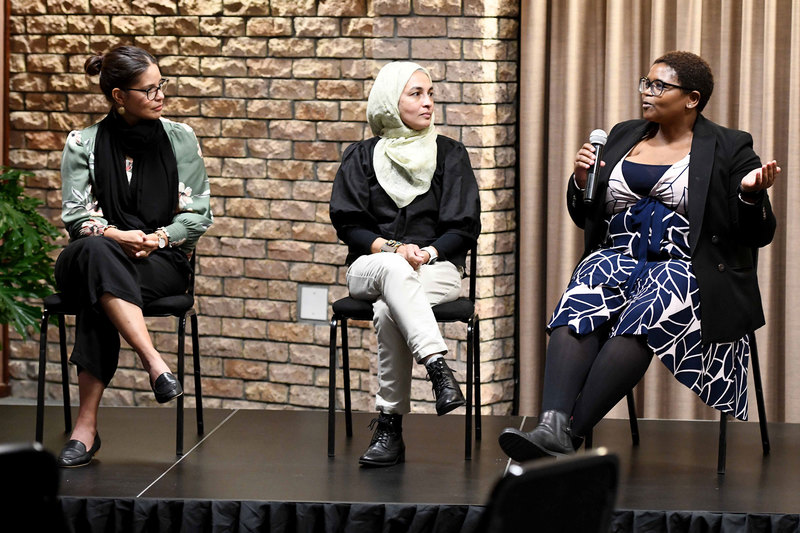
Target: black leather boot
[(550, 438), (387, 447), (445, 388)]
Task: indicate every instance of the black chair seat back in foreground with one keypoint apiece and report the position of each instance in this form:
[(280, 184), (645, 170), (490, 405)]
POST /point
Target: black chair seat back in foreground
[(571, 494), (29, 492), (180, 306), (459, 310)]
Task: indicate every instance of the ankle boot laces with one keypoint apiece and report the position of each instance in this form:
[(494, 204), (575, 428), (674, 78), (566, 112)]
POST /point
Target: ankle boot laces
[(437, 375), (384, 430)]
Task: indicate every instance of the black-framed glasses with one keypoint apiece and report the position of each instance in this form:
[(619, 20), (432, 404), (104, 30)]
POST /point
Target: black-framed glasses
[(151, 93), (657, 87)]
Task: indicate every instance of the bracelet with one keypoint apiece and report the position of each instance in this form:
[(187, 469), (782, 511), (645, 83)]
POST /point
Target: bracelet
[(750, 198), (391, 246), (108, 227)]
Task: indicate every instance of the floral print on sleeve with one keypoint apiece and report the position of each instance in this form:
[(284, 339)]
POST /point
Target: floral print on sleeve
[(193, 217), (80, 210)]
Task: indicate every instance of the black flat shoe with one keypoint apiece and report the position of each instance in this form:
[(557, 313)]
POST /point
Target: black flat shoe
[(166, 388), (74, 454)]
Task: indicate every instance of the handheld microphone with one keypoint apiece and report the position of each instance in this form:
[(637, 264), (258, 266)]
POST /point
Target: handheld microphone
[(598, 139)]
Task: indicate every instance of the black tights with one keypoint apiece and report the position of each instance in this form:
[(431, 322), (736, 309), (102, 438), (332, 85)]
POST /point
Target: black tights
[(586, 376)]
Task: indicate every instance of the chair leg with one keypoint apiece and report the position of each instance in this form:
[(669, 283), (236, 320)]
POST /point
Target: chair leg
[(762, 411), (723, 445), (198, 385), (476, 354), (181, 364), (469, 384), (62, 344), (632, 418), (348, 407), (332, 390), (40, 384)]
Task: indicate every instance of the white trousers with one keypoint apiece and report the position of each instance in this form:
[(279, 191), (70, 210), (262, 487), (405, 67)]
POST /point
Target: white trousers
[(406, 328)]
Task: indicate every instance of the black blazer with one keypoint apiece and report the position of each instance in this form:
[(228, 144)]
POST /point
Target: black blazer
[(724, 232)]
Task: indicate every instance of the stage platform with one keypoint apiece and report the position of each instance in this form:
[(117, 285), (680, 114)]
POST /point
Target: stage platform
[(271, 467)]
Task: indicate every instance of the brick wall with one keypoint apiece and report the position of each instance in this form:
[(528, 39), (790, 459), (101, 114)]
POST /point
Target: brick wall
[(276, 90)]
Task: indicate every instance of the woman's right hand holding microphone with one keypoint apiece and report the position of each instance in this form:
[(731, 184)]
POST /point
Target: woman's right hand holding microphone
[(584, 159)]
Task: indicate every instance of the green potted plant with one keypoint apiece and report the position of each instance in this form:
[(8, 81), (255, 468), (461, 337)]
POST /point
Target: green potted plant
[(26, 240)]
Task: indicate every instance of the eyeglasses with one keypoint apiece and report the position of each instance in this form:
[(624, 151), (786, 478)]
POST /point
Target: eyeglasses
[(657, 87), (151, 93)]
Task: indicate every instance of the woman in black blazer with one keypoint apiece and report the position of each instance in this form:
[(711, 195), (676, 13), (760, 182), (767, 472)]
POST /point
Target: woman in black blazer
[(686, 292)]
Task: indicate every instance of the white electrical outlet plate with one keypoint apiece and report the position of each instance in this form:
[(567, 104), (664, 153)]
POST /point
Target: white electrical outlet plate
[(312, 302)]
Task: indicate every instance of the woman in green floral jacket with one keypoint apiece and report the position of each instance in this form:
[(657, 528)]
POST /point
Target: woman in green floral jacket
[(135, 197)]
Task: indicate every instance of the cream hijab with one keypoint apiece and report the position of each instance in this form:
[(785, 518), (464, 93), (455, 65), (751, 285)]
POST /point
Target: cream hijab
[(404, 159)]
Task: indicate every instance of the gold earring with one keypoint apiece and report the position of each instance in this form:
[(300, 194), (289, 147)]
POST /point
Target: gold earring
[(121, 110)]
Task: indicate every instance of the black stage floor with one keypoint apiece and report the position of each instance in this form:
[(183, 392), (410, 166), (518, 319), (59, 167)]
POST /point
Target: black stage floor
[(280, 456)]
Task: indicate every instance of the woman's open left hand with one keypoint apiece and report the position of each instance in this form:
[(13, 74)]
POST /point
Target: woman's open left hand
[(762, 178)]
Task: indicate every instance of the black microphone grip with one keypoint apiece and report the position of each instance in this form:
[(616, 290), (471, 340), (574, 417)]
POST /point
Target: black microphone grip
[(598, 140)]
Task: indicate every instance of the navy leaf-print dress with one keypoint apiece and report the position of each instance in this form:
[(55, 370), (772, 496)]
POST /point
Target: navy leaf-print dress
[(647, 286)]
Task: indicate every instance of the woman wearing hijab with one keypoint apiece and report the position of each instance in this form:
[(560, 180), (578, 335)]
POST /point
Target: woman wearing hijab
[(406, 204), (668, 266), (135, 200)]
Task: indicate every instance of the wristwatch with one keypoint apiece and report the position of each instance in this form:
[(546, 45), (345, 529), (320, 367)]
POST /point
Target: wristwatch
[(391, 246), (162, 239), (432, 253)]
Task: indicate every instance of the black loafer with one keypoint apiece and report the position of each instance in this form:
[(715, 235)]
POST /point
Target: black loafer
[(166, 387), (74, 454)]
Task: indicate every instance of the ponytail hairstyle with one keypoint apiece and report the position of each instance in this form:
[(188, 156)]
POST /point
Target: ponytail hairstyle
[(118, 68)]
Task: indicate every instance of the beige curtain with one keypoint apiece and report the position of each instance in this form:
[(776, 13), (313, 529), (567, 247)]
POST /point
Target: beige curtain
[(580, 62)]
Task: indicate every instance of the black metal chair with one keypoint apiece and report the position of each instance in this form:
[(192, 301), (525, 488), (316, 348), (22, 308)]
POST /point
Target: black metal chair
[(723, 418), (180, 306), (460, 310)]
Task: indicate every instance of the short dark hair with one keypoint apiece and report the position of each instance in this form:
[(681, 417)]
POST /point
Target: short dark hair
[(118, 68), (692, 71)]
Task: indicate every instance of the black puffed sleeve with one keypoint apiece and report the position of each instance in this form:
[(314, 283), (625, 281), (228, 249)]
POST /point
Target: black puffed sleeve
[(459, 223), (350, 199)]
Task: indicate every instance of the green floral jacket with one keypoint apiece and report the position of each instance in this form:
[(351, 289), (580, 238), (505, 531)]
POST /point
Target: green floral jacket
[(83, 216)]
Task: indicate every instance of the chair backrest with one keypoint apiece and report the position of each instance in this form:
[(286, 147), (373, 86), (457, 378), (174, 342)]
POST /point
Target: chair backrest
[(571, 494), (28, 493)]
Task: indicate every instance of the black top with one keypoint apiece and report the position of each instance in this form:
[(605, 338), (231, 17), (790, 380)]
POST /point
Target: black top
[(641, 178), (446, 217)]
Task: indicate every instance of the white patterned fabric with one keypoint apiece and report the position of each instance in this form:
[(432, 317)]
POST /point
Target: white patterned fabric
[(671, 189)]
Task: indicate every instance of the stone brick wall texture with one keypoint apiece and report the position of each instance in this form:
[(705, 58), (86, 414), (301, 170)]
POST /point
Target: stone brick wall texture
[(276, 90)]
